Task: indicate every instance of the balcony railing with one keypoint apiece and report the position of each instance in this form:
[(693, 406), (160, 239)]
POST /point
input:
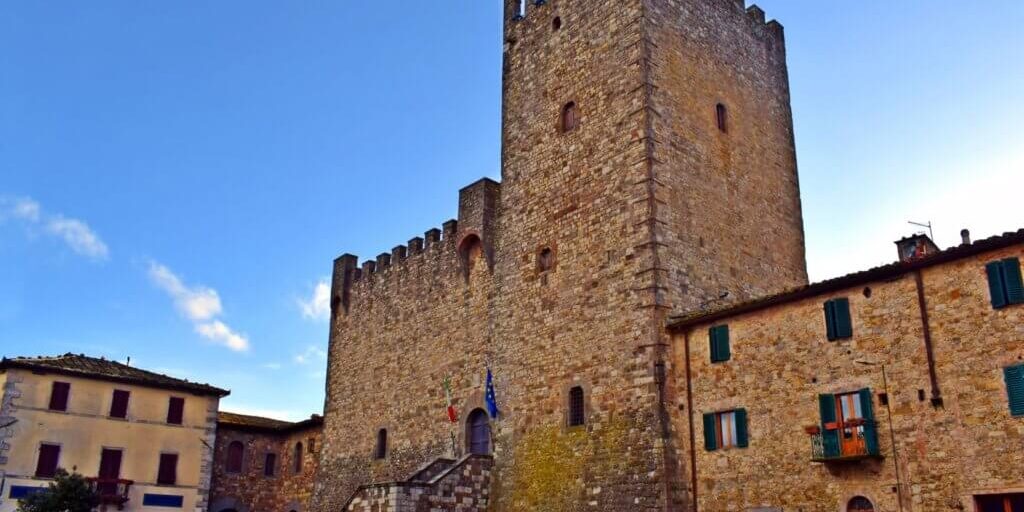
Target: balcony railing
[(853, 441), (111, 491)]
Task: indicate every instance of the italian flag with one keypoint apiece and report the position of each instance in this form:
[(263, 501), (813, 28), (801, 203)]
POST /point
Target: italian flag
[(452, 416)]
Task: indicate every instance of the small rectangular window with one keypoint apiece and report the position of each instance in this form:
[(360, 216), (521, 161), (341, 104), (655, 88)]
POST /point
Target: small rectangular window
[(49, 456), (119, 404), (719, 341), (838, 322), (726, 429), (1014, 376), (168, 472), (1004, 282), (59, 396), (176, 410), (270, 464)]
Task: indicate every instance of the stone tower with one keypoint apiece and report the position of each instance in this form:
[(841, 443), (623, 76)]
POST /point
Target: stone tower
[(648, 168)]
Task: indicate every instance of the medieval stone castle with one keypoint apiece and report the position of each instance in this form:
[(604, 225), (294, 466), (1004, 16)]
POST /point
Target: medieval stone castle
[(637, 285)]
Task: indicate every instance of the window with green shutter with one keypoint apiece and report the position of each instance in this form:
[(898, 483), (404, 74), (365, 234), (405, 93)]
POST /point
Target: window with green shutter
[(1014, 376), (727, 429), (838, 322), (718, 337), (1004, 283)]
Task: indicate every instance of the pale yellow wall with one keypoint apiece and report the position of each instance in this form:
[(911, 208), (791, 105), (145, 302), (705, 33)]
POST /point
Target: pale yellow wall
[(85, 429)]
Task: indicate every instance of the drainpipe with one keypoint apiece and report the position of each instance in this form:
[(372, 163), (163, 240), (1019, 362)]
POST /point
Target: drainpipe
[(922, 304), (689, 411)]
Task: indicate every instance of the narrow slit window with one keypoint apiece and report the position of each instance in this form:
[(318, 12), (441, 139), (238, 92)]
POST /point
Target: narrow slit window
[(577, 409), (270, 464), (570, 117), (298, 458), (722, 115), (381, 451), (234, 457)]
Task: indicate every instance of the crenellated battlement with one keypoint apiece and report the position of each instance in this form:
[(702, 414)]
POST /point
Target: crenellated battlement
[(440, 252)]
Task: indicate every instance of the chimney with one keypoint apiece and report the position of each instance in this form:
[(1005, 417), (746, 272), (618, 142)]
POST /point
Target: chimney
[(965, 236), (916, 247)]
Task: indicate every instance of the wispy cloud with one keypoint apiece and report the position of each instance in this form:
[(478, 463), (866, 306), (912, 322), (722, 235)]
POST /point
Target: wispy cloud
[(317, 306), (200, 305), (78, 236), (312, 354)]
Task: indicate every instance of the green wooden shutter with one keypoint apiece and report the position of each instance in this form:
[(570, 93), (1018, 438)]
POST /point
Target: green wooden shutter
[(870, 426), (830, 321), (710, 439), (1012, 281), (995, 284), (844, 323), (829, 437), (719, 340), (742, 432), (1015, 389)]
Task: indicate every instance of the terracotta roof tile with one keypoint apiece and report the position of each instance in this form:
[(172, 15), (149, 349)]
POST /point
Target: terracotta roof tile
[(247, 422)]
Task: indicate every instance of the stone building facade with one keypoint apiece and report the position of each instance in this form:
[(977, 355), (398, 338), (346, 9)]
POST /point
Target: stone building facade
[(648, 167), (919, 391), (264, 465)]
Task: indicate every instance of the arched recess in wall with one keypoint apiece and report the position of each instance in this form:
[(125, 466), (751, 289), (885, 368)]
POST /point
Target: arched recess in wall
[(471, 252), (860, 504)]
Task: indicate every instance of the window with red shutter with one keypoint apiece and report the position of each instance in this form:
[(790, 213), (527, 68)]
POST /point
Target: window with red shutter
[(236, 451), (175, 410), (119, 404), (49, 455), (59, 396), (168, 473)]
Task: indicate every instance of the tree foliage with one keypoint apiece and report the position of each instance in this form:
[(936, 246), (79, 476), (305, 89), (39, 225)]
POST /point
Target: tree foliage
[(67, 493)]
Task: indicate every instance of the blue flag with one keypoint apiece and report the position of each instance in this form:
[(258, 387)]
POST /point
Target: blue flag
[(489, 397)]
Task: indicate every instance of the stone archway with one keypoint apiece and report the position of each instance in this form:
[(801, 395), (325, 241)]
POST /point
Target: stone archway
[(860, 504), (478, 432)]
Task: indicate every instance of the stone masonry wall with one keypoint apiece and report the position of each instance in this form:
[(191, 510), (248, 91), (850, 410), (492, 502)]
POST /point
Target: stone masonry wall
[(250, 490), (463, 488), (781, 361)]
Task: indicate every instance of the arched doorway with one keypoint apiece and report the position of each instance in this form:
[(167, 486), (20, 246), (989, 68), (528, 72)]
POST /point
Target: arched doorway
[(860, 504), (478, 432)]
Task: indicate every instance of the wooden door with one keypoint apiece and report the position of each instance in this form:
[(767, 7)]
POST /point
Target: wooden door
[(850, 414), (478, 427)]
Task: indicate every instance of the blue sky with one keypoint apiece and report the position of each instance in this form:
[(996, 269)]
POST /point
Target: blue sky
[(175, 178)]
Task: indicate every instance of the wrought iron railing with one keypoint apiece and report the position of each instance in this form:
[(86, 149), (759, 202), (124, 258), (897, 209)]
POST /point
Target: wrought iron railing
[(854, 440), (111, 491)]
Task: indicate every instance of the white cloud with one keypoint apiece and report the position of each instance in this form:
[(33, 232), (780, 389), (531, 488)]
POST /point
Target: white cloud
[(318, 306), (74, 232), (312, 354), (218, 331), (200, 305)]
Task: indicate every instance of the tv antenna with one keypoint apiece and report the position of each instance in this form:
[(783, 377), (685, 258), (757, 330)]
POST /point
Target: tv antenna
[(931, 234)]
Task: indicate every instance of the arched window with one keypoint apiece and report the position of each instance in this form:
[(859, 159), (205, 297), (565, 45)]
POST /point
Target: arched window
[(381, 450), (860, 504), (298, 458), (470, 250), (577, 409), (570, 117), (545, 259), (556, 24), (722, 115), (233, 464)]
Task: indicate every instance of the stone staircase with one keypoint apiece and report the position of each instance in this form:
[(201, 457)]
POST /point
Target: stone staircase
[(444, 485)]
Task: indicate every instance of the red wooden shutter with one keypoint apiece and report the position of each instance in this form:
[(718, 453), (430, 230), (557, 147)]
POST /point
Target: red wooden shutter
[(46, 466), (270, 465), (168, 474), (59, 396), (235, 453), (175, 410), (119, 405)]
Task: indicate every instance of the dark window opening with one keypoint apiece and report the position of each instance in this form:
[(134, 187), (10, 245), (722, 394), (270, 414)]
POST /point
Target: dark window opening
[(236, 451), (570, 117), (545, 259), (110, 471), (298, 458), (556, 24), (722, 115), (478, 432), (860, 504), (59, 396), (168, 473), (270, 464), (175, 410), (119, 404), (310, 445), (381, 450), (577, 409), (49, 455)]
